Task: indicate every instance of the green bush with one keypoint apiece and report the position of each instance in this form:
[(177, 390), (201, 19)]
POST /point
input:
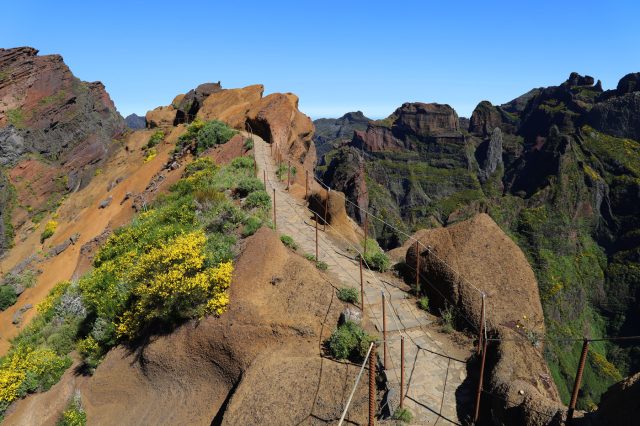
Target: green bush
[(447, 319), (258, 199), (322, 265), (7, 297), (348, 294), (248, 144), (251, 225), (375, 258), (248, 185), (242, 163), (202, 136), (289, 242), (281, 171), (213, 133), (310, 257), (423, 303), (155, 139), (349, 341), (403, 415)]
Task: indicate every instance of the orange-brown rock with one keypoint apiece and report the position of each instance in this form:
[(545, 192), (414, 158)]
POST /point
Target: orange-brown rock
[(476, 256), (161, 116), (231, 105)]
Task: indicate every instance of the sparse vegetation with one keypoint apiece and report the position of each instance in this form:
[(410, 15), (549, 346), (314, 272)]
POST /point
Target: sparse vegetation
[(74, 415), (447, 319), (374, 257), (423, 303), (154, 140), (248, 185), (282, 173), (49, 230), (16, 118), (403, 415), (289, 242), (322, 265), (349, 341), (258, 199), (248, 144), (8, 296), (348, 294)]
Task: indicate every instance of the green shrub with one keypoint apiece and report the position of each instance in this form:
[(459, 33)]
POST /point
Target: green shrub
[(251, 225), (349, 341), (248, 144), (7, 297), (248, 185), (155, 139), (258, 199), (403, 415), (289, 242), (199, 165), (348, 294), (310, 257), (322, 265), (447, 319), (375, 258), (281, 171), (423, 303), (242, 163), (213, 133)]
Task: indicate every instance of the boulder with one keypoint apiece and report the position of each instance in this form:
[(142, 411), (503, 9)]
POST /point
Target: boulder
[(162, 116), (476, 256), (231, 105), (105, 203), (351, 314), (619, 403), (187, 106)]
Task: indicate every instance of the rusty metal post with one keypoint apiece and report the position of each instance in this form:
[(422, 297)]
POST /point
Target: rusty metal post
[(576, 385), (264, 178), (366, 229), (480, 380), (384, 332), (275, 225), (306, 184), (361, 288), (326, 204), (255, 168), (317, 218), (372, 386), (288, 174), (401, 371), (417, 269), (481, 334)]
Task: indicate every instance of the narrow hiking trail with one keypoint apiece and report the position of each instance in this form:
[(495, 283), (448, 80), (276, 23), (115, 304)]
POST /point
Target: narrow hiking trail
[(433, 379)]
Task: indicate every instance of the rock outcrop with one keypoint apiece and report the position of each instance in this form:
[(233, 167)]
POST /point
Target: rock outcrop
[(66, 124), (619, 403), (276, 117), (477, 251)]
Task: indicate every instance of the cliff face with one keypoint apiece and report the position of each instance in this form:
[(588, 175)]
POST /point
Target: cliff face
[(331, 133), (558, 168), (66, 126)]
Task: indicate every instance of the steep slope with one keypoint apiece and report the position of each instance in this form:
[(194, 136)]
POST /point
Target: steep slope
[(557, 168), (55, 132)]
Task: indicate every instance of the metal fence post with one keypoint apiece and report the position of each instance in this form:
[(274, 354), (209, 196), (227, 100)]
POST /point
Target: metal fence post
[(372, 386), (578, 381)]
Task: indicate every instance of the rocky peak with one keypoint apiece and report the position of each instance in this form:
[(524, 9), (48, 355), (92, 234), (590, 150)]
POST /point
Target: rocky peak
[(189, 105), (354, 117), (629, 83), (576, 80), (426, 119)]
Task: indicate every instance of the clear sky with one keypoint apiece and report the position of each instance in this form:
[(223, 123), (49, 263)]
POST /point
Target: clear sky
[(336, 56)]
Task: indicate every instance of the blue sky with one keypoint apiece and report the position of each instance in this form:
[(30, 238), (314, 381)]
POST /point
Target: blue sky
[(336, 56)]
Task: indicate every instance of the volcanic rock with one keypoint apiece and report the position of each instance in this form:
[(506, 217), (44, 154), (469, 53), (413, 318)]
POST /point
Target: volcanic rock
[(135, 122)]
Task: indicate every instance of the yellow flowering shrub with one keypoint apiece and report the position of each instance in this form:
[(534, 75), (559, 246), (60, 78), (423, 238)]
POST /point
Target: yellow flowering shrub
[(25, 367), (47, 304), (49, 230), (174, 283)]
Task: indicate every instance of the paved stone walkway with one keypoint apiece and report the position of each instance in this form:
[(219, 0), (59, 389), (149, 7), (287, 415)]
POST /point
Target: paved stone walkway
[(426, 372)]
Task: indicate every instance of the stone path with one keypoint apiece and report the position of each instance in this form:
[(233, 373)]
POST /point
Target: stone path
[(426, 372)]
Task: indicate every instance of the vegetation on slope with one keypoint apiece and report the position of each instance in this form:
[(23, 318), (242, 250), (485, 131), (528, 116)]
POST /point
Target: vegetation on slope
[(171, 264)]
